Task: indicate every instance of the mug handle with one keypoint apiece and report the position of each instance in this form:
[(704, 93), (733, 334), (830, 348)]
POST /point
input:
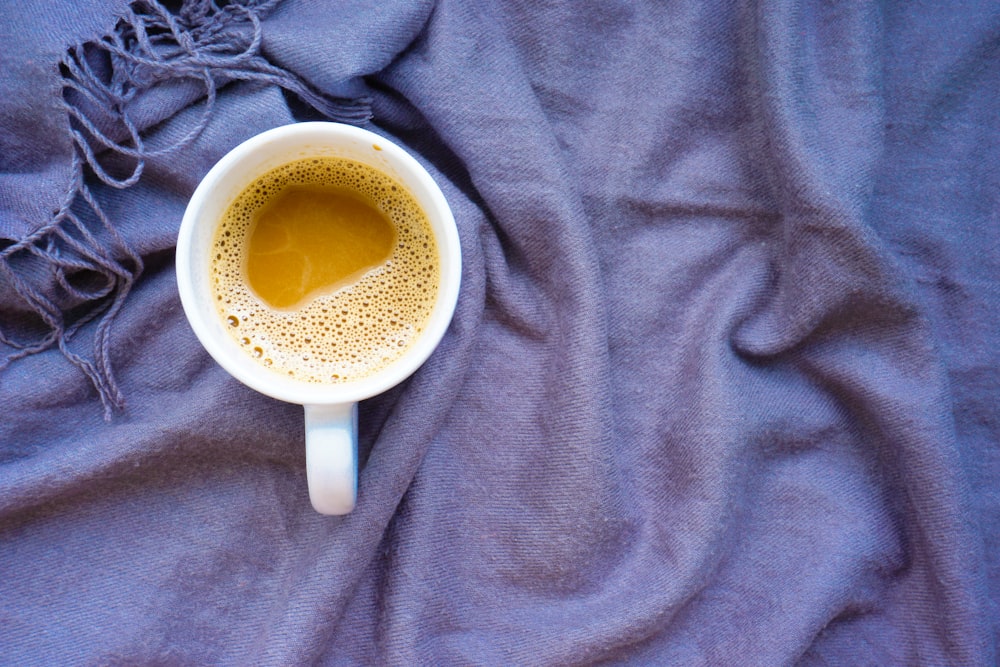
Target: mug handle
[(332, 457)]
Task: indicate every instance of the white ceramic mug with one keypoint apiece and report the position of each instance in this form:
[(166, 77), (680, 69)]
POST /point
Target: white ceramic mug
[(330, 409)]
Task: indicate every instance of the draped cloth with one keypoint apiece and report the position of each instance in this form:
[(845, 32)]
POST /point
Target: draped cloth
[(720, 388)]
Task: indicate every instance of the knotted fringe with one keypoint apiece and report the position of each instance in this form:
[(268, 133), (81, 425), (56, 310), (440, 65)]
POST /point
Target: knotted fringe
[(77, 268)]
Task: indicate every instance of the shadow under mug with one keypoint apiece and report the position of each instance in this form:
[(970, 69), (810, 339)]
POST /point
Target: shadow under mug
[(330, 409)]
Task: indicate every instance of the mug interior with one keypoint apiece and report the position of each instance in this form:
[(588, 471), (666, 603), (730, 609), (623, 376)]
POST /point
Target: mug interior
[(224, 183)]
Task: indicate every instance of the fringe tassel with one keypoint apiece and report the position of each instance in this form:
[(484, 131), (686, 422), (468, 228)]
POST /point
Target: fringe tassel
[(79, 241), (151, 46)]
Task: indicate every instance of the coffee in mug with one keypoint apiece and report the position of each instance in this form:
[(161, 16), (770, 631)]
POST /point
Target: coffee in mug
[(325, 269), (320, 264)]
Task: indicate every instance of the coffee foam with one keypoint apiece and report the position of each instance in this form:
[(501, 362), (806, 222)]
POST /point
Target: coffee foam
[(350, 333)]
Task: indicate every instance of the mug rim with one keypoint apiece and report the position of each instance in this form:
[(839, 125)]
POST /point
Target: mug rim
[(306, 137)]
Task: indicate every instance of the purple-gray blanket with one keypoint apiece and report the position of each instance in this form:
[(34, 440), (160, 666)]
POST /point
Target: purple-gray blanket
[(722, 386)]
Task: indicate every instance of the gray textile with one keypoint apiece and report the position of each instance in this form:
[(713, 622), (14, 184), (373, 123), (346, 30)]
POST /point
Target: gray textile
[(721, 388)]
